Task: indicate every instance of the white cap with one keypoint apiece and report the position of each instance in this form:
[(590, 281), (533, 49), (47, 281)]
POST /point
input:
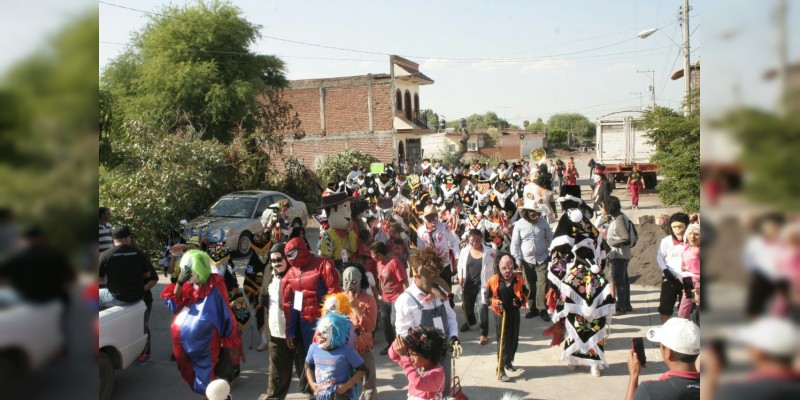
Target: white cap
[(677, 334), (772, 335)]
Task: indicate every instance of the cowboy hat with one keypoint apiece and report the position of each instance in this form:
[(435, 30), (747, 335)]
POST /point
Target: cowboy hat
[(334, 199), (532, 205), (429, 209)]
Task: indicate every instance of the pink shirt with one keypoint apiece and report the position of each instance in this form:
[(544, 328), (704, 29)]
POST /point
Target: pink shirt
[(428, 385), (691, 257), (391, 275)]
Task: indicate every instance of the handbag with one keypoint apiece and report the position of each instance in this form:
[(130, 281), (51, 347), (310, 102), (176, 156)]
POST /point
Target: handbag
[(455, 389)]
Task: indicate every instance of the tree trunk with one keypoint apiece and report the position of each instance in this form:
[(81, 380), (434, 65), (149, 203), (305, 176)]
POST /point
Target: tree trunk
[(462, 144)]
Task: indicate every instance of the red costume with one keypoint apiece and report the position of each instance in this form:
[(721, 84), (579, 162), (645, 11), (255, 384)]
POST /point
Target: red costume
[(312, 276)]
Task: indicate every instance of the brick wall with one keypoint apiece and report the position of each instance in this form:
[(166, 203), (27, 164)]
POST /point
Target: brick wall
[(346, 109), (306, 103), (311, 150), (382, 106)]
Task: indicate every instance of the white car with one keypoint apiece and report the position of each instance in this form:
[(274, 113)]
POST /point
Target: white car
[(122, 340), (30, 333), (237, 215)]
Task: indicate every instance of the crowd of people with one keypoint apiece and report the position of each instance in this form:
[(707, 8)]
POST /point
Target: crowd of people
[(394, 252)]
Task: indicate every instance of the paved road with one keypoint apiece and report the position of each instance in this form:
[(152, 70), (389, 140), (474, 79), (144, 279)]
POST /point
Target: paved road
[(542, 376)]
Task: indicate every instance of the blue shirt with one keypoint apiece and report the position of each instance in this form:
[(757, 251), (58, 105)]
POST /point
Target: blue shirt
[(332, 367), (531, 242)]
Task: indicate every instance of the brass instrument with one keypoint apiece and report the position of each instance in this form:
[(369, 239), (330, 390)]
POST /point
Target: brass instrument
[(538, 155)]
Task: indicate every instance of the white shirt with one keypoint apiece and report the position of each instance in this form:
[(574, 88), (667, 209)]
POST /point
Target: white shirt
[(762, 256), (488, 263), (410, 316), (444, 241), (277, 320), (670, 256)]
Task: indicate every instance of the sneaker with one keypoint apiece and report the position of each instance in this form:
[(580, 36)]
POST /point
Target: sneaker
[(464, 327), (143, 360), (510, 367), (595, 372), (530, 314), (263, 346), (628, 309), (504, 377), (385, 351), (483, 340)]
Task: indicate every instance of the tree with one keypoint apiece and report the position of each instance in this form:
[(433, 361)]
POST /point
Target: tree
[(557, 136), (539, 125), (525, 124), (677, 142), (574, 123), (481, 121), (431, 118), (334, 168), (192, 66), (769, 156), (492, 137)]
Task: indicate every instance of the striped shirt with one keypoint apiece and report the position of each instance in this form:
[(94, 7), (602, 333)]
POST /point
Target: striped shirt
[(104, 237)]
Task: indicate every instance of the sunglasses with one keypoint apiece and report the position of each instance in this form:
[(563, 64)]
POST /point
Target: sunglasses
[(292, 254), (276, 260)]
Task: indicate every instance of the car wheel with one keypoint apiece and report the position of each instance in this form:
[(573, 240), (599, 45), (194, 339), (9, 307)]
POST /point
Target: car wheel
[(243, 245), (106, 376), (297, 223)]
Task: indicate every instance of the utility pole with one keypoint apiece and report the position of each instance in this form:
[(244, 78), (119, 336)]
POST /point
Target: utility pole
[(652, 87), (687, 66)]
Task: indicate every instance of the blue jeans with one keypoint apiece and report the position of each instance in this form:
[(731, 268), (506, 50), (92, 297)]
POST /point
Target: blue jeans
[(619, 273), (107, 300)]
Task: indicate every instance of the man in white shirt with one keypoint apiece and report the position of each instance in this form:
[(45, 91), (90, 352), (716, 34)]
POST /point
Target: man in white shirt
[(423, 303), (530, 247), (669, 259), (435, 233)]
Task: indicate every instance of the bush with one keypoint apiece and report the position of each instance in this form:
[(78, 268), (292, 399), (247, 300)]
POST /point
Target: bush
[(336, 167), (557, 137), (162, 180), (301, 183)]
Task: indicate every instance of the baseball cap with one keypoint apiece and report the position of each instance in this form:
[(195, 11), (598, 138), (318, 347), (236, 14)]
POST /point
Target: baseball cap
[(677, 334), (121, 232), (772, 335)]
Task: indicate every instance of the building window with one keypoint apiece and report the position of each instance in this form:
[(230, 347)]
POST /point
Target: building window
[(398, 99), (472, 146), (407, 104)]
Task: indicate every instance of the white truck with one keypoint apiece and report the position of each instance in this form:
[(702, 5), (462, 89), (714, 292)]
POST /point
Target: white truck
[(122, 339), (620, 143)]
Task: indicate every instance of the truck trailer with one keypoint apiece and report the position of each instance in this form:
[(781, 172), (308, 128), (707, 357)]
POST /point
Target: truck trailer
[(620, 143)]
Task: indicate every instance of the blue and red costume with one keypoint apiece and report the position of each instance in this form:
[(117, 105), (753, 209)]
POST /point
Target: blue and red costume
[(203, 323)]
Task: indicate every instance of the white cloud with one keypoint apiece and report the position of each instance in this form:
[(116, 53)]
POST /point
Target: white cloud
[(550, 64), (622, 67)]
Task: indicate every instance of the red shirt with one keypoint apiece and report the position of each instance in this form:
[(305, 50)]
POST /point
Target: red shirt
[(391, 275)]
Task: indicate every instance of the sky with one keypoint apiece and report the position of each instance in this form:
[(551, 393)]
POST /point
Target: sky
[(523, 60)]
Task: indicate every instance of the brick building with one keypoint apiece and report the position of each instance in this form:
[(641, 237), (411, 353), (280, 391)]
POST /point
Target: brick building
[(378, 114)]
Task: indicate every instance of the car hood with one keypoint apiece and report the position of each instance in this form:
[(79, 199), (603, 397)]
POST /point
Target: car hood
[(218, 222)]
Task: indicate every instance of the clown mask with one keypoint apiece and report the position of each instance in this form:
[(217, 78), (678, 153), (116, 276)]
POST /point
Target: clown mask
[(325, 333), (351, 279)]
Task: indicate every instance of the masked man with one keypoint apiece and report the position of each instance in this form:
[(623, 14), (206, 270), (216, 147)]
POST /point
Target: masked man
[(435, 233)]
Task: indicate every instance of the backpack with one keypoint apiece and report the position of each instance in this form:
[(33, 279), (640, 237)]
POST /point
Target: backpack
[(633, 234)]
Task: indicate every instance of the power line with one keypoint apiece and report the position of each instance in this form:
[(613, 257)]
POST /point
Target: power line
[(406, 56)]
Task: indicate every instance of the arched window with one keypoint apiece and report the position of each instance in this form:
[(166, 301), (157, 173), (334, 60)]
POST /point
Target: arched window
[(407, 104), (398, 99)]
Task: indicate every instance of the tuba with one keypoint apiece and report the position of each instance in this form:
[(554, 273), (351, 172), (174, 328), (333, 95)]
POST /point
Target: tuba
[(538, 155)]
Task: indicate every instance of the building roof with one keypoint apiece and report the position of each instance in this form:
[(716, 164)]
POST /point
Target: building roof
[(679, 73), (409, 70)]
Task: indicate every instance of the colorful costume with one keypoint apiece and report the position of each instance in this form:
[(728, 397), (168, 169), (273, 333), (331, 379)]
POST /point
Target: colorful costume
[(581, 300), (339, 243), (203, 322), (305, 285)]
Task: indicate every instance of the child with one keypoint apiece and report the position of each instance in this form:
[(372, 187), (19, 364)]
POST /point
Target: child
[(505, 296), (420, 354), (330, 361), (690, 266)]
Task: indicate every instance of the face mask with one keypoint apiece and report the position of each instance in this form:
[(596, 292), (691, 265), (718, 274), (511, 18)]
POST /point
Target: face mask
[(595, 177), (351, 279)]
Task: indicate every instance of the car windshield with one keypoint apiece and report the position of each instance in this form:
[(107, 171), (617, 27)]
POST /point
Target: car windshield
[(233, 207)]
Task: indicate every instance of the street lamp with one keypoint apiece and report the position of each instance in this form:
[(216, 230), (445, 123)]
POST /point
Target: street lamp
[(687, 85)]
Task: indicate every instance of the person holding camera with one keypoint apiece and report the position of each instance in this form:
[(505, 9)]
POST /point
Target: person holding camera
[(679, 343)]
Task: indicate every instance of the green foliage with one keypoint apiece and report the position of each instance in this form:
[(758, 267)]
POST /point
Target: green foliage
[(539, 125), (770, 157), (48, 136), (677, 142), (491, 138), (162, 180), (335, 168), (300, 182), (557, 136), (572, 122), (492, 159), (481, 121), (192, 66), (431, 117), (448, 157)]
